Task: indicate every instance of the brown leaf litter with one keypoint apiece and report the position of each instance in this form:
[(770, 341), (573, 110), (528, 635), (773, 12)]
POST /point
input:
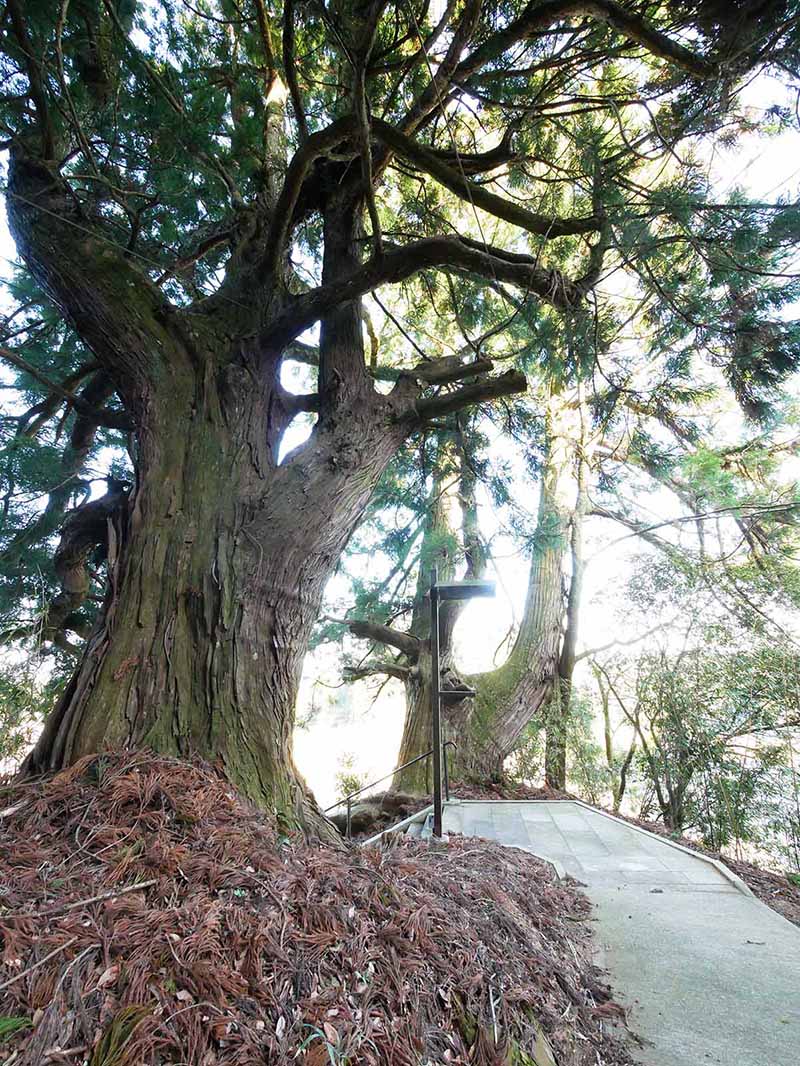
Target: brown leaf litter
[(148, 915)]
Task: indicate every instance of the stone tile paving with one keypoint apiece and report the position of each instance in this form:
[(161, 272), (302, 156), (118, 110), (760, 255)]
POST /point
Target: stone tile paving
[(710, 974)]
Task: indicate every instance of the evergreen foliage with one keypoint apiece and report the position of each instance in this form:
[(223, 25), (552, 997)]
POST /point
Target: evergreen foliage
[(231, 216)]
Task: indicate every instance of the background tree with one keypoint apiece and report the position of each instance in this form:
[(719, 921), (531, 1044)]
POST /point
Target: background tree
[(700, 725), (604, 456)]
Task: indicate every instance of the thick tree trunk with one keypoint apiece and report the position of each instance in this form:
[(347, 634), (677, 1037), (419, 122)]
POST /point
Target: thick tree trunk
[(523, 687), (487, 728), (511, 696), (215, 580), (417, 729), (217, 569)]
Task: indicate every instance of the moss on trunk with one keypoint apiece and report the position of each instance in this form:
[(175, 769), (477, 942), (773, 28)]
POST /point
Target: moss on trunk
[(486, 728), (213, 592)]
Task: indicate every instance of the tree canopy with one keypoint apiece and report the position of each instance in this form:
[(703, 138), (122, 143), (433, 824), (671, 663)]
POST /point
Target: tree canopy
[(232, 216)]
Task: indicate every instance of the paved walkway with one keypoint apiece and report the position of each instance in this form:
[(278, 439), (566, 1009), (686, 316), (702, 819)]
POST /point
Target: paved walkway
[(710, 974)]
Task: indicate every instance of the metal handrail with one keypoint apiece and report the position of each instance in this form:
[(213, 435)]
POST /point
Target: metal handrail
[(348, 799), (439, 591)]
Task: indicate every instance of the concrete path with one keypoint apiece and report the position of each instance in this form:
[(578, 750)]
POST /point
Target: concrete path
[(710, 974)]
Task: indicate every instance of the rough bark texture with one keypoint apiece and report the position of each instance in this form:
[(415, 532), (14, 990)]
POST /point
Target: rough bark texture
[(213, 595), (217, 568), (417, 728), (486, 728)]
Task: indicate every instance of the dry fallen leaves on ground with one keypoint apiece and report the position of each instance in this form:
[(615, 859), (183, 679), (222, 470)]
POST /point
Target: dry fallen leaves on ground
[(148, 915)]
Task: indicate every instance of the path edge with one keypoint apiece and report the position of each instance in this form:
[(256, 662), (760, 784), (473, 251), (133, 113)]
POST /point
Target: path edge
[(424, 814), (726, 871), (558, 866), (418, 816), (721, 868)]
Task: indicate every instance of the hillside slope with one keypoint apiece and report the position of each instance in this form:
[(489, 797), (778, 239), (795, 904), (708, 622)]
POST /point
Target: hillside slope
[(150, 916)]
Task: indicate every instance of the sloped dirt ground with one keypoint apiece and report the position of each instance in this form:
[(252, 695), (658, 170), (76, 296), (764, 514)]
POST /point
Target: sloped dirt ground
[(149, 916)]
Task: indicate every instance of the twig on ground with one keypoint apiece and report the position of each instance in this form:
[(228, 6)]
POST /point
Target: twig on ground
[(8, 811), (36, 965), (112, 893)]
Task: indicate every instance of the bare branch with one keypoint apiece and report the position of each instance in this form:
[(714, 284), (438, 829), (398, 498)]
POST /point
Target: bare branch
[(112, 419), (539, 16), (208, 244), (478, 195), (376, 668), (397, 264), (486, 389), (408, 644), (642, 529), (471, 163), (433, 372), (296, 403), (452, 368), (591, 652)]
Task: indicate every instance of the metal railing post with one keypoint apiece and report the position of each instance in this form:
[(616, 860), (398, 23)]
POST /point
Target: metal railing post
[(447, 590), (436, 707), (349, 831)]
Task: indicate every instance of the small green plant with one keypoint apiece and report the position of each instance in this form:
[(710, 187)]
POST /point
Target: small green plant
[(347, 778), (317, 1034), (115, 1041), (10, 1025)]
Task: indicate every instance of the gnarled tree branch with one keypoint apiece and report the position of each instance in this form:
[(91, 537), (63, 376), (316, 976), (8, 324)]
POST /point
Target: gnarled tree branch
[(397, 264), (376, 668), (540, 16), (508, 384), (111, 419), (499, 206), (406, 643)]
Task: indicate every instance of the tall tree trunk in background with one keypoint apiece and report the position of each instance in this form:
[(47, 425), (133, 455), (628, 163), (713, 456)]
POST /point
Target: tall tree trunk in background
[(618, 770), (436, 549), (486, 728), (558, 711), (453, 486), (522, 688)]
